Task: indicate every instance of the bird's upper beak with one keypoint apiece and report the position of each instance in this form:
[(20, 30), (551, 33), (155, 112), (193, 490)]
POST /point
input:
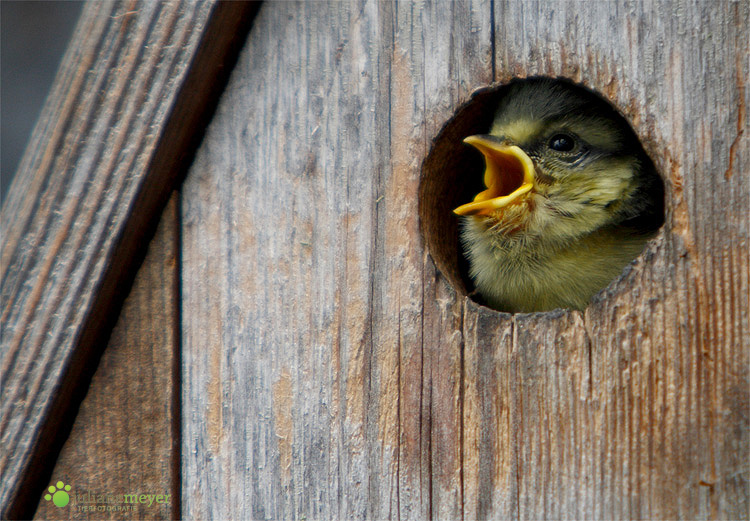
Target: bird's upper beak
[(508, 176)]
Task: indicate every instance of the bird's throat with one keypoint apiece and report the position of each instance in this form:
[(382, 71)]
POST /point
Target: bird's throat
[(525, 273)]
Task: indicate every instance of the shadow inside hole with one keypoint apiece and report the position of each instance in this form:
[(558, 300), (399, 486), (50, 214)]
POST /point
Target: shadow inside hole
[(452, 176)]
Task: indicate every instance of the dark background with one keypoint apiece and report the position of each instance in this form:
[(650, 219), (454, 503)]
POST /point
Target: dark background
[(33, 38)]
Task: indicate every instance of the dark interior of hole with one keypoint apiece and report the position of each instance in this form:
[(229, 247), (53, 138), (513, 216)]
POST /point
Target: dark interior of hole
[(452, 174)]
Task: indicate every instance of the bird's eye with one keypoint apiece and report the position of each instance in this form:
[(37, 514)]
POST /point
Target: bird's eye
[(562, 143)]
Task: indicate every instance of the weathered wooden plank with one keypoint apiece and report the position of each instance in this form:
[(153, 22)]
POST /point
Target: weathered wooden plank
[(526, 445), (330, 373), (431, 72), (125, 439), (639, 407), (314, 386), (279, 411), (132, 94)]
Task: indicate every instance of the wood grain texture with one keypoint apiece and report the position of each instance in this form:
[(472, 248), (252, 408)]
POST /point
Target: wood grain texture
[(125, 439), (332, 372), (638, 408), (132, 94), (314, 384)]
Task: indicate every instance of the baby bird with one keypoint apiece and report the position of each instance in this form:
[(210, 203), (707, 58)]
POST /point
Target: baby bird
[(571, 199)]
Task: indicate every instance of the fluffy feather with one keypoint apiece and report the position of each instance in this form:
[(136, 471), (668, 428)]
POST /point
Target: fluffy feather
[(590, 212)]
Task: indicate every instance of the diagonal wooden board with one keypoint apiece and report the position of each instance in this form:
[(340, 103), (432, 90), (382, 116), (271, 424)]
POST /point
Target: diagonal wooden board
[(128, 107)]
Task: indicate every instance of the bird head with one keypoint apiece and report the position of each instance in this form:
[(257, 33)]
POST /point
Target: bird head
[(560, 164)]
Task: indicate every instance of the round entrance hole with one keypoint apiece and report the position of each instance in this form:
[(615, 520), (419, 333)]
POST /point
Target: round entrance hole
[(453, 174)]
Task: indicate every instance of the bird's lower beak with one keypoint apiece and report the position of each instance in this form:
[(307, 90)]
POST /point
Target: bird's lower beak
[(508, 176)]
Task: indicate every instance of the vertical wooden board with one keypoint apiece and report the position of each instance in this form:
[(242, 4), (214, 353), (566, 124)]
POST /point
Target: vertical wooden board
[(315, 386), (432, 72), (280, 364), (490, 468), (301, 307), (662, 429), (125, 437), (549, 385), (525, 408)]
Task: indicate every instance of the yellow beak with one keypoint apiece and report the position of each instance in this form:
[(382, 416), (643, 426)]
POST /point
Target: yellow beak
[(508, 176)]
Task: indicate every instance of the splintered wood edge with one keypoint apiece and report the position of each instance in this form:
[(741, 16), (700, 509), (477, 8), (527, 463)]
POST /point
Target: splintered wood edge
[(128, 108)]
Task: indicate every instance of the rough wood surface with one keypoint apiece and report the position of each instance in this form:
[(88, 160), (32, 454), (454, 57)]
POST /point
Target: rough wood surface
[(131, 96), (125, 439), (314, 385), (639, 407), (331, 372)]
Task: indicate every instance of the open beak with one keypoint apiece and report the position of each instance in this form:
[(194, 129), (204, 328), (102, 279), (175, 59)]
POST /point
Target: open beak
[(508, 176)]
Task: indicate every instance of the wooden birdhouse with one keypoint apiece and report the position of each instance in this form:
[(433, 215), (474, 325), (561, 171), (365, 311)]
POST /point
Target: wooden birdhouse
[(232, 285)]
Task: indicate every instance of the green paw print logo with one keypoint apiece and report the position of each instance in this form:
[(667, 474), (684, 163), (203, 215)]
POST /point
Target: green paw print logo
[(58, 494)]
